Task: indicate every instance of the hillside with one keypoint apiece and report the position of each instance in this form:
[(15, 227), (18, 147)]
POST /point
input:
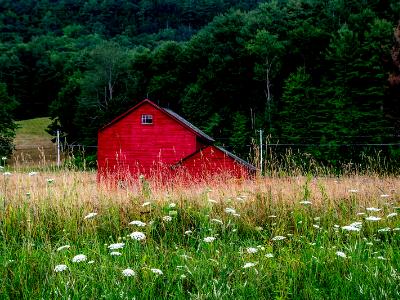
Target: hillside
[(33, 144)]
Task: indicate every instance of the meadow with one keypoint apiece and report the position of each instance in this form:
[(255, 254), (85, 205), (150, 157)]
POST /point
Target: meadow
[(63, 236)]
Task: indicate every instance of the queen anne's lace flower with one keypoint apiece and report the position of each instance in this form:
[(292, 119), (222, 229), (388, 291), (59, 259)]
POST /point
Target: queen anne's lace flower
[(230, 210), (167, 218), (209, 239), (372, 218), (305, 202), (116, 246), (115, 253), (60, 268), (249, 265), (90, 215), (128, 272), (137, 223), (79, 258), (373, 209), (278, 238), (341, 254), (251, 250), (137, 235), (157, 271)]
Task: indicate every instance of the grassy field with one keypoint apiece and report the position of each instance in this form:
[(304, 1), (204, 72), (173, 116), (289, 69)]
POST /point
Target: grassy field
[(33, 145), (65, 237)]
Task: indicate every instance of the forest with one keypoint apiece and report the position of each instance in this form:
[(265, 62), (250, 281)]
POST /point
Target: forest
[(319, 77)]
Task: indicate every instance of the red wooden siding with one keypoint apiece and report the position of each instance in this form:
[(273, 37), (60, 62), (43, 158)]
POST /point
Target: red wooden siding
[(211, 161), (129, 145)]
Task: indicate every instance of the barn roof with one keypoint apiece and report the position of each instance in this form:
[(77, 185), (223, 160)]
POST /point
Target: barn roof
[(168, 112), (188, 124), (226, 152)]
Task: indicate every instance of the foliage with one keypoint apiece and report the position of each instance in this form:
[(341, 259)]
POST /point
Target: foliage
[(322, 74), (7, 125)]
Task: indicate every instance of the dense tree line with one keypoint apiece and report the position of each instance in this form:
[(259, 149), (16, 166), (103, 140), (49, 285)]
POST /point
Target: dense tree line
[(322, 76)]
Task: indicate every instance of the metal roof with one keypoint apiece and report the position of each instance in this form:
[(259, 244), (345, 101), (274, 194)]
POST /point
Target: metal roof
[(188, 124)]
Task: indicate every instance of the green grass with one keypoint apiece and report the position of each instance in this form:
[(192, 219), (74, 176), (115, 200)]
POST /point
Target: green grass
[(34, 127), (304, 265), (33, 144)]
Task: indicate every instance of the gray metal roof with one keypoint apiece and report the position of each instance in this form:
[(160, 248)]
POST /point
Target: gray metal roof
[(190, 125)]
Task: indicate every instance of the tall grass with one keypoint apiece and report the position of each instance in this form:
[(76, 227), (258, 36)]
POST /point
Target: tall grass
[(42, 212)]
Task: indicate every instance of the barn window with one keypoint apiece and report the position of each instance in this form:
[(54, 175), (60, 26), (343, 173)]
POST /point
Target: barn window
[(147, 119)]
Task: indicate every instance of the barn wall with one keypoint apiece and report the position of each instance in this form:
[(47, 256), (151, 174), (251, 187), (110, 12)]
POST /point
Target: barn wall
[(140, 148), (211, 161)]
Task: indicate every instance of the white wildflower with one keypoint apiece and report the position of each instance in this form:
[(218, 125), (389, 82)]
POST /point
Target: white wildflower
[(6, 174), (372, 218), (172, 205), (167, 218), (336, 226), (251, 250), (128, 272), (236, 215), (396, 229), (316, 226), (249, 265), (356, 226), (50, 180), (157, 271), (386, 229), (137, 235), (115, 253), (79, 258), (90, 215), (341, 254), (385, 196), (305, 202), (63, 247), (32, 173), (278, 238), (116, 246), (391, 215), (209, 239), (4, 158), (353, 191), (60, 268), (269, 255), (381, 258), (230, 210), (146, 204), (373, 209), (90, 262), (137, 223), (188, 232)]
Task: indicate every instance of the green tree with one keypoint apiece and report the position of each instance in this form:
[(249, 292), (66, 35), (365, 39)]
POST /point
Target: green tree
[(7, 125)]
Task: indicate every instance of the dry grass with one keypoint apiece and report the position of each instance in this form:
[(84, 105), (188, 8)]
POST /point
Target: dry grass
[(82, 189)]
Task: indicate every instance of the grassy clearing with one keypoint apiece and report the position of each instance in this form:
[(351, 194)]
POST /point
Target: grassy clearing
[(33, 144), (43, 212)]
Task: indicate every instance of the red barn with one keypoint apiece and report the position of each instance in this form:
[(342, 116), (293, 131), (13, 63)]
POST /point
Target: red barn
[(148, 139)]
